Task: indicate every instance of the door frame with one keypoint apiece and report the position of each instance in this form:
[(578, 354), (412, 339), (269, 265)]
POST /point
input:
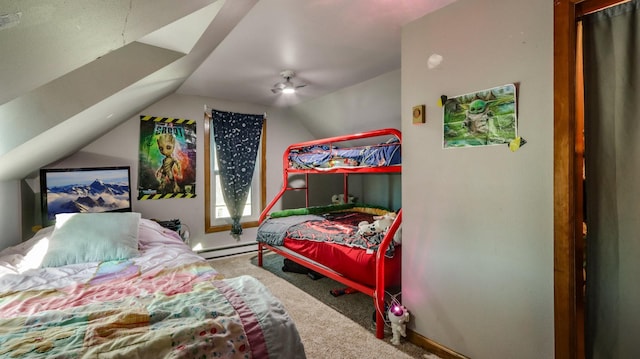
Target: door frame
[(564, 191)]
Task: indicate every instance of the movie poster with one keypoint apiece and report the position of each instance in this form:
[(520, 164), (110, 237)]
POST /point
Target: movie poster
[(167, 167), (482, 118)]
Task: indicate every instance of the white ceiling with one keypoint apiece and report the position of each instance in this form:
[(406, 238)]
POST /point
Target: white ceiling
[(330, 44), (83, 67)]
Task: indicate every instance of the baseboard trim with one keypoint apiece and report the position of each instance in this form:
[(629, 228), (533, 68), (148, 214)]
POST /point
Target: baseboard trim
[(432, 346), (226, 251)]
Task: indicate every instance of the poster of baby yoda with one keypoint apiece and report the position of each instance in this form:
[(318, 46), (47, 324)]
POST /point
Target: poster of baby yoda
[(482, 118), (167, 157)]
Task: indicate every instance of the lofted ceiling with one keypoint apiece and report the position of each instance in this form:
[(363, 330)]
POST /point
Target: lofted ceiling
[(72, 70), (329, 44)]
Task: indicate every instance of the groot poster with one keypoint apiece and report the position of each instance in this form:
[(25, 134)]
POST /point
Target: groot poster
[(167, 157)]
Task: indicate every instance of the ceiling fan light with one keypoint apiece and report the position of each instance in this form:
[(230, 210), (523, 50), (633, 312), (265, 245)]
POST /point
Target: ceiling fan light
[(286, 87)]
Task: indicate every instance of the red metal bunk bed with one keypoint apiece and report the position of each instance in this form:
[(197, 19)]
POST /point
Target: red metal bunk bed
[(375, 288)]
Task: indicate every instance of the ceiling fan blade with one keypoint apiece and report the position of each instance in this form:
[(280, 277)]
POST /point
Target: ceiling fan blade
[(277, 88), (301, 85)]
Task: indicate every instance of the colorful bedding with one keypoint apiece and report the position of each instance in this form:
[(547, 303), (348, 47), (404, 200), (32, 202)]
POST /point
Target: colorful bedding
[(327, 157), (332, 239), (167, 303), (335, 227), (340, 228)]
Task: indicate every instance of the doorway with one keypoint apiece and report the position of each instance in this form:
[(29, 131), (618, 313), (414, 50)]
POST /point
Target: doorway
[(569, 249)]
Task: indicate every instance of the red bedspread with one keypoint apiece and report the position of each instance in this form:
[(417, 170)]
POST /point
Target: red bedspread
[(332, 240), (353, 263), (340, 228)]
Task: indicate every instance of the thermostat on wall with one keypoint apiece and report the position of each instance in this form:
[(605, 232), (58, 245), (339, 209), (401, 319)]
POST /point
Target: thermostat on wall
[(418, 114)]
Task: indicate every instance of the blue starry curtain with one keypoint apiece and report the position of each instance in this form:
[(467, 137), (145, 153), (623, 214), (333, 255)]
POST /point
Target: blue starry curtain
[(236, 137)]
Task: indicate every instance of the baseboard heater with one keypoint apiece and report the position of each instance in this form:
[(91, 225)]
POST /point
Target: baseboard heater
[(226, 251)]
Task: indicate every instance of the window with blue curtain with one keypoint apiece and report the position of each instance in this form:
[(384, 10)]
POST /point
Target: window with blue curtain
[(236, 141)]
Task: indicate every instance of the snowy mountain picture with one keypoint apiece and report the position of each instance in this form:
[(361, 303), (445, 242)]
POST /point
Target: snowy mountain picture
[(99, 190)]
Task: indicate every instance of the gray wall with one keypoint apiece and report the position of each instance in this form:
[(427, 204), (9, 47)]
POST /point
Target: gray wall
[(478, 222), (10, 213), (374, 189)]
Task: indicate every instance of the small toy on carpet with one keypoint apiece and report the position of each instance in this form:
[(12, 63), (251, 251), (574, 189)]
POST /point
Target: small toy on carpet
[(342, 291), (398, 316)]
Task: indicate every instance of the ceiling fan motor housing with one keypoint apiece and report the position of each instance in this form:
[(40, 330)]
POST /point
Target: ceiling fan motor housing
[(287, 86), (287, 74)]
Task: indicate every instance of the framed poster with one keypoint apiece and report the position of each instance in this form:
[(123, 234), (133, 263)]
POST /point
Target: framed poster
[(77, 190), (167, 157), (482, 118)]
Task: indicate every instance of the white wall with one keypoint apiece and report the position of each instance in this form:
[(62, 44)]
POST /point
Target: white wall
[(478, 222), (346, 111), (369, 105), (122, 143)]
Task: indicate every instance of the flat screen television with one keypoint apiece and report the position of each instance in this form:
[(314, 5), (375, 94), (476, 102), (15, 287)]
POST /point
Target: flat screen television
[(75, 190)]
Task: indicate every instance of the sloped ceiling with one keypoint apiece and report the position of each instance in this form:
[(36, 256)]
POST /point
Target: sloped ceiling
[(80, 68), (72, 70)]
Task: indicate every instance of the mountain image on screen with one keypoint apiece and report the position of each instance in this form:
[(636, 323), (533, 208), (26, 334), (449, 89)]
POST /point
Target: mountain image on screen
[(95, 197)]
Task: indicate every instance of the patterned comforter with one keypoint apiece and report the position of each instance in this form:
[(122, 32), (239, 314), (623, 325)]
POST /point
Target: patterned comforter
[(337, 227), (125, 310), (327, 157)]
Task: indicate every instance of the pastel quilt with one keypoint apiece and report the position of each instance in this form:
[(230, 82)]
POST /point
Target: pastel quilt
[(187, 311)]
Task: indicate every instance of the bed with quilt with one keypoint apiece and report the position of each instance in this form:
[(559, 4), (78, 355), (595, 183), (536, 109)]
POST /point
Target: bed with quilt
[(334, 240), (331, 236), (115, 285)]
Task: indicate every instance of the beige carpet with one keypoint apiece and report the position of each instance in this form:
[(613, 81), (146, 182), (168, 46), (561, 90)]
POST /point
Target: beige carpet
[(324, 331)]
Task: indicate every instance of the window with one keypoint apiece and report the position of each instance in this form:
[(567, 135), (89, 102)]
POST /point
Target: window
[(217, 217)]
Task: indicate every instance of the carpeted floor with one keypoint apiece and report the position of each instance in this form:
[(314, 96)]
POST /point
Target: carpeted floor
[(357, 307)]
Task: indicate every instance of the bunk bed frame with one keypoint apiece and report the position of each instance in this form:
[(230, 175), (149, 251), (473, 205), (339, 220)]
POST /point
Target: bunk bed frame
[(377, 292)]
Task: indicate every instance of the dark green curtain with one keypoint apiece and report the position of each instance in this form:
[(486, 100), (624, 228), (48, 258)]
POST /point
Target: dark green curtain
[(612, 156), (237, 138)]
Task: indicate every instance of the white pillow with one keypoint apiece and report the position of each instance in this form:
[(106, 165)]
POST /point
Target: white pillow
[(92, 237)]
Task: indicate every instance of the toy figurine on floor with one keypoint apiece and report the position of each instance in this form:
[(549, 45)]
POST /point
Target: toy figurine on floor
[(342, 291), (398, 316)]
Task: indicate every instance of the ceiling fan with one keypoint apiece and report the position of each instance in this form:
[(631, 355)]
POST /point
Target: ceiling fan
[(287, 86)]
